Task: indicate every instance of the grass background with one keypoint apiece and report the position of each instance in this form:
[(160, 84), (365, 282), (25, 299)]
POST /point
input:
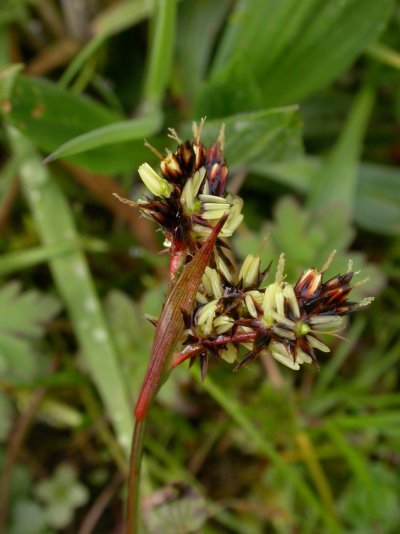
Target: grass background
[(309, 92)]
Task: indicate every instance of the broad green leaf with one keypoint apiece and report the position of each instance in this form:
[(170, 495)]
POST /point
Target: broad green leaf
[(54, 223), (336, 181), (227, 94), (50, 116), (23, 316), (273, 134), (377, 198), (178, 509), (295, 48), (132, 334), (117, 132), (199, 22)]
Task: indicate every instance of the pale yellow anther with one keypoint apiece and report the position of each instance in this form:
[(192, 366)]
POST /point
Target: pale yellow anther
[(205, 317), (230, 353), (214, 282), (251, 306), (223, 268), (302, 357), (317, 344), (280, 302), (250, 270), (212, 198), (282, 332), (154, 183), (289, 294), (222, 324), (216, 214), (280, 353), (189, 194)]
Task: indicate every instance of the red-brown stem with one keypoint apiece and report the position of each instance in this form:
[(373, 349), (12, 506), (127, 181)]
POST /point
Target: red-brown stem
[(170, 325), (133, 509)]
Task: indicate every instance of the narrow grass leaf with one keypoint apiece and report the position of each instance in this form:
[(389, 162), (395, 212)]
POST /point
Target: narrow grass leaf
[(121, 16), (116, 132), (55, 224), (292, 49), (24, 259), (235, 411), (377, 197), (161, 51), (353, 457), (336, 182), (51, 116), (199, 22), (385, 54), (80, 59)]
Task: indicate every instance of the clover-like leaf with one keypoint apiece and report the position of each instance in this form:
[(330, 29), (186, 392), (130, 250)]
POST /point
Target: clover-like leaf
[(23, 316), (61, 495)]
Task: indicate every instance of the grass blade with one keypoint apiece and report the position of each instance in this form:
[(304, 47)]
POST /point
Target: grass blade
[(111, 134), (162, 47), (336, 184), (234, 410), (71, 274)]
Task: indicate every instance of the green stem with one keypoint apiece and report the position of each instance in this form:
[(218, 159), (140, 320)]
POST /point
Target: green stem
[(134, 476)]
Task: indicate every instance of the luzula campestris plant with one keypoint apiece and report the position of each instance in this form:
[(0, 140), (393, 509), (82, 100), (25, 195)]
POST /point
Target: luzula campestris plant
[(235, 310), (215, 310)]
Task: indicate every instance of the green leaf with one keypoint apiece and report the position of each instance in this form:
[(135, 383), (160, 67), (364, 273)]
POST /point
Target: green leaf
[(199, 22), (62, 494), (161, 51), (377, 197), (363, 506), (121, 16), (273, 134), (117, 132), (54, 223), (308, 240), (23, 317), (126, 322), (293, 48), (51, 116), (335, 185)]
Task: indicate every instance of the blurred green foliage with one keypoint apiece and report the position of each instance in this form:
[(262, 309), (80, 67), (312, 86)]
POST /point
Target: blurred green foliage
[(309, 92)]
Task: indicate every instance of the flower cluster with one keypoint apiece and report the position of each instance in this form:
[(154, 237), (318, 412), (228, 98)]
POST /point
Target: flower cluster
[(284, 320), (237, 316), (190, 197)]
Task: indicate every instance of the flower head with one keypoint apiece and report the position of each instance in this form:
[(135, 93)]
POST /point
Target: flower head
[(190, 197), (235, 314)]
